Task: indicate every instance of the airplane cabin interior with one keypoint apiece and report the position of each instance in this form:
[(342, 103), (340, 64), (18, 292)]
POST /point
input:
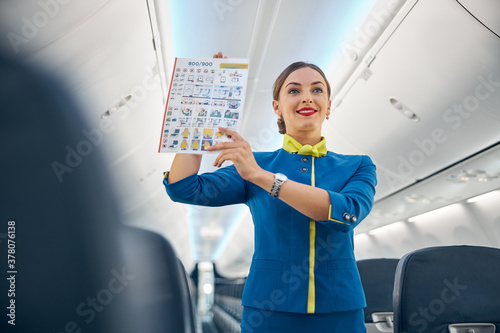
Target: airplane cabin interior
[(90, 240)]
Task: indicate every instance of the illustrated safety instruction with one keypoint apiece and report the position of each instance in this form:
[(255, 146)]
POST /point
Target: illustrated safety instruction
[(204, 94)]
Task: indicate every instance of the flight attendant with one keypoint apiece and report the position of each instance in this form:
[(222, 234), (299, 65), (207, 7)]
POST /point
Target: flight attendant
[(305, 202)]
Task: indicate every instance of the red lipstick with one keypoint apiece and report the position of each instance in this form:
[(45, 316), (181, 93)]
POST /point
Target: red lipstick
[(306, 111)]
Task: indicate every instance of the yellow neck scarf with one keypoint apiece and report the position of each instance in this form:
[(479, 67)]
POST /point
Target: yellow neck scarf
[(293, 147)]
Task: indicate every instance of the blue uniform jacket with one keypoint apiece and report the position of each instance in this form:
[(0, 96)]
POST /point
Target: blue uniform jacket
[(299, 265)]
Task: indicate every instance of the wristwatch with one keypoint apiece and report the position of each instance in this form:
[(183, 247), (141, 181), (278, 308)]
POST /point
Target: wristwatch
[(279, 179)]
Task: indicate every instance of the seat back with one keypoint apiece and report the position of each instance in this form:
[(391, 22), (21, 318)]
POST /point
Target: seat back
[(377, 277), (160, 290), (75, 267), (441, 286), (67, 272)]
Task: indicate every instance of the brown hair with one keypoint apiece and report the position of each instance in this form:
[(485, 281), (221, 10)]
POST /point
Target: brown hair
[(282, 78)]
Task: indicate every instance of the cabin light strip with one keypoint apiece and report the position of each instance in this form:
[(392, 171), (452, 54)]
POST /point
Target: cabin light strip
[(432, 213), (423, 216), (384, 228), (483, 196), (360, 237)]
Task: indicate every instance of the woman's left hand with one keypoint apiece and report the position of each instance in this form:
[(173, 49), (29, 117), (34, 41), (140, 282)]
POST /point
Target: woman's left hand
[(238, 152)]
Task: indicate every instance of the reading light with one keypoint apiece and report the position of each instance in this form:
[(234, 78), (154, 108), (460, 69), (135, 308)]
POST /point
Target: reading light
[(472, 174), (114, 108), (405, 111), (417, 198)]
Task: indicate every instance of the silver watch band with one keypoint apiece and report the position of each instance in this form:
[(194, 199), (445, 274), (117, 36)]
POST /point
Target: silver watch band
[(279, 179)]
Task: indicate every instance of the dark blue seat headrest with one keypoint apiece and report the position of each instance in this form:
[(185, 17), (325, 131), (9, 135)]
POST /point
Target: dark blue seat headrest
[(160, 288), (438, 286), (377, 277)]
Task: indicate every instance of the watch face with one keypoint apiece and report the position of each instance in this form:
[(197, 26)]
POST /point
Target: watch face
[(281, 177)]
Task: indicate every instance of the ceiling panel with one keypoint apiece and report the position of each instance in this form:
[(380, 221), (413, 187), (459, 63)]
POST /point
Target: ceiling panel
[(32, 25), (201, 28), (105, 59), (308, 31)]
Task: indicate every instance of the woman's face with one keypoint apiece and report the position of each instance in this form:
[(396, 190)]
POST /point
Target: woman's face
[(303, 102)]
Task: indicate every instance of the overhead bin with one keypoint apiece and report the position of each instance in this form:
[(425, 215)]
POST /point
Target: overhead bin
[(465, 180), (426, 96)]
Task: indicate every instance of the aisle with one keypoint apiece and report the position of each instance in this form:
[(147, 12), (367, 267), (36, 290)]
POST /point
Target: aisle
[(209, 327)]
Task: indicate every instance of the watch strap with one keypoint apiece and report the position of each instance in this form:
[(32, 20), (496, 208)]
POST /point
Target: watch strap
[(276, 187)]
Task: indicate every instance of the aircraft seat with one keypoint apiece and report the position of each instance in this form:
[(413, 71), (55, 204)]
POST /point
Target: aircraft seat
[(190, 287), (75, 267), (377, 277), (227, 304), (67, 272), (160, 290), (448, 289)]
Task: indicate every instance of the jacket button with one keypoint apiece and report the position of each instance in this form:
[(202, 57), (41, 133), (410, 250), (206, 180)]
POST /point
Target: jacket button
[(354, 219), (303, 169), (346, 216), (305, 159)]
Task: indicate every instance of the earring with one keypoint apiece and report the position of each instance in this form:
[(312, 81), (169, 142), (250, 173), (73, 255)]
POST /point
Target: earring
[(327, 117)]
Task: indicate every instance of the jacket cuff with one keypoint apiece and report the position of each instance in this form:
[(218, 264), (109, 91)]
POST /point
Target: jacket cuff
[(339, 215)]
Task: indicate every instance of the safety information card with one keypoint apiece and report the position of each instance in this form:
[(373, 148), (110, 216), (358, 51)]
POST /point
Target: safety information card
[(203, 95)]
